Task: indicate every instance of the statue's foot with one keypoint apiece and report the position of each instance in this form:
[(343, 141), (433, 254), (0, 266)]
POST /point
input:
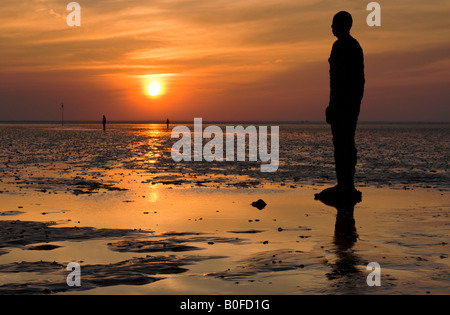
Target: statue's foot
[(340, 193)]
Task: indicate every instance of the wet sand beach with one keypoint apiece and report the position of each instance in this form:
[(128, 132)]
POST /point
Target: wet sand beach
[(138, 224)]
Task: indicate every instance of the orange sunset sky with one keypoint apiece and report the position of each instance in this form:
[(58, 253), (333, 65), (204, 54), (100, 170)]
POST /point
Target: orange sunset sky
[(224, 60)]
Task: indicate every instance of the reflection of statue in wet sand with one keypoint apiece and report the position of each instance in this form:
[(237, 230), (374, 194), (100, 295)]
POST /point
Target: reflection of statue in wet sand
[(345, 236), (346, 92)]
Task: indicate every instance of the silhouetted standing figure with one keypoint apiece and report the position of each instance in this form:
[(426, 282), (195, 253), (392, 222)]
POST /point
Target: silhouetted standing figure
[(346, 92), (167, 123), (104, 123)]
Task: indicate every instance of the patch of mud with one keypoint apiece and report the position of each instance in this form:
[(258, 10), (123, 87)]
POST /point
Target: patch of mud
[(135, 271), (76, 186), (170, 244), (150, 246), (11, 213), (50, 277), (269, 261), (43, 247), (251, 231), (22, 233)]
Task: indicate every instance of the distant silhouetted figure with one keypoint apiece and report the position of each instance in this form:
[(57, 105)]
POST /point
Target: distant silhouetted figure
[(104, 123), (346, 92), (62, 114), (167, 123)]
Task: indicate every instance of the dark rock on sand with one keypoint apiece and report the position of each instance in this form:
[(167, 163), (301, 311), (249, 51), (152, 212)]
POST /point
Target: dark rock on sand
[(260, 204)]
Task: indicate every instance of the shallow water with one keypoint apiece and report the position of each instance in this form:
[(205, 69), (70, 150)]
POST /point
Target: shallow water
[(209, 241)]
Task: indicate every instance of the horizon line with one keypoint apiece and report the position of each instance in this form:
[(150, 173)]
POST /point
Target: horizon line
[(284, 122)]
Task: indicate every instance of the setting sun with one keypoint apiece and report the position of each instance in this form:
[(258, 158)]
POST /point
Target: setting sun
[(154, 88)]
